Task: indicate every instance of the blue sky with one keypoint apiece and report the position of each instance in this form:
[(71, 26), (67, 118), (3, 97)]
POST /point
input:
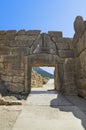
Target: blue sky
[(41, 14), (44, 15)]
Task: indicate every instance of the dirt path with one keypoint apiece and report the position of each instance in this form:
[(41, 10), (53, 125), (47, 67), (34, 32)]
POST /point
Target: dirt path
[(46, 109)]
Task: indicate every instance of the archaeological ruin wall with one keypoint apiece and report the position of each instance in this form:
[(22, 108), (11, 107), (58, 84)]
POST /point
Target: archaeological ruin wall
[(79, 47), (21, 50)]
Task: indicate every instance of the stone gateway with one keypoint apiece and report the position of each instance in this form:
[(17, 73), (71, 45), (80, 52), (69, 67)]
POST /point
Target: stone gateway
[(21, 50)]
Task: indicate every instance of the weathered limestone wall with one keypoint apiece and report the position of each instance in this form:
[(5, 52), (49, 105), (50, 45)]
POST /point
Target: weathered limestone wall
[(79, 46), (52, 48), (13, 47), (66, 69)]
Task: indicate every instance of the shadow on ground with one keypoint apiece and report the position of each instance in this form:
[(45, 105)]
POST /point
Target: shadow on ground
[(49, 91), (73, 104)]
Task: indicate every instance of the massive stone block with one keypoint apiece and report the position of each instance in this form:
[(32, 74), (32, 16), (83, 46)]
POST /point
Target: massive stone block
[(4, 51), (14, 88), (33, 32), (57, 34), (62, 46), (17, 79), (20, 51), (66, 53)]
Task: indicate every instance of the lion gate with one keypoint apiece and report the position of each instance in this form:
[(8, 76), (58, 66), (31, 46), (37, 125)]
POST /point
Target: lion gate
[(21, 50)]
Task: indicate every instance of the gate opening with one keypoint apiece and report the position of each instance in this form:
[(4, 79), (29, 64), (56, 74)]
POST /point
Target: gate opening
[(43, 76)]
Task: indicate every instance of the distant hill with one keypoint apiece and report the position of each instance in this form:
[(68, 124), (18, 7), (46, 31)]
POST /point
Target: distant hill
[(43, 72)]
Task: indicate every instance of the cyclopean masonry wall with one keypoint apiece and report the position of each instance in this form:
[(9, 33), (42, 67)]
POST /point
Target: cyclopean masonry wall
[(21, 50), (79, 47)]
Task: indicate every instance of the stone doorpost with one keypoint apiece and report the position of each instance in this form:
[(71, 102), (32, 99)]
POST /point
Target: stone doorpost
[(28, 69)]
